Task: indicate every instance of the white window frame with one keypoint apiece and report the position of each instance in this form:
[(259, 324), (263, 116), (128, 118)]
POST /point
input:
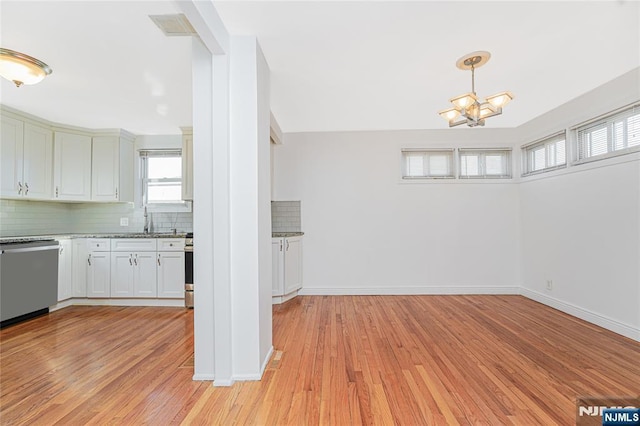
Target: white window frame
[(607, 122), (169, 207), (482, 166), (427, 154), (547, 143)]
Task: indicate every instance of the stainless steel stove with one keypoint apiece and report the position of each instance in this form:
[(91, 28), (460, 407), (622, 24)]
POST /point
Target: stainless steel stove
[(188, 270)]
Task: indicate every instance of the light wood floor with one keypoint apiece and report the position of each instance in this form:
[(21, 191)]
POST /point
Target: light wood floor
[(339, 360)]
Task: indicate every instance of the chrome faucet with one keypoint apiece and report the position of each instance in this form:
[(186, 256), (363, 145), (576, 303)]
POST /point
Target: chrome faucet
[(147, 221)]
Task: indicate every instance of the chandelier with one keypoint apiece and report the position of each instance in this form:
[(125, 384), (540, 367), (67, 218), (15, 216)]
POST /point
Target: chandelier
[(467, 108), (22, 69)]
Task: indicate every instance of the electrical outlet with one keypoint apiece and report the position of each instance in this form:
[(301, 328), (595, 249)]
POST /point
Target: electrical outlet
[(549, 284), (124, 221)]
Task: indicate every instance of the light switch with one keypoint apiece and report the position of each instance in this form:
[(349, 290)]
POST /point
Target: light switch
[(124, 221)]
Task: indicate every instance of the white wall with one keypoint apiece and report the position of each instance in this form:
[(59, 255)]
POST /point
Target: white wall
[(581, 225), (367, 231)]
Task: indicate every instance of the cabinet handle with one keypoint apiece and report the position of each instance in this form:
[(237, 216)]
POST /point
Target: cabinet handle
[(116, 192), (19, 188), (287, 245), (61, 250), (130, 262), (280, 245), (26, 191), (89, 260), (159, 260), (135, 260), (56, 192)]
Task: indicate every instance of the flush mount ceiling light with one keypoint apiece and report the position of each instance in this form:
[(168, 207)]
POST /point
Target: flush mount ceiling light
[(21, 68), (467, 108)]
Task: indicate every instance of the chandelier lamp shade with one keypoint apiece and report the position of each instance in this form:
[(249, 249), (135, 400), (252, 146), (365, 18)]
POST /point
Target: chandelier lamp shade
[(467, 108), (22, 69)]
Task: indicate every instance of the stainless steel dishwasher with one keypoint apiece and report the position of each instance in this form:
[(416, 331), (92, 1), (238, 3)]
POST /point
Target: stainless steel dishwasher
[(28, 279)]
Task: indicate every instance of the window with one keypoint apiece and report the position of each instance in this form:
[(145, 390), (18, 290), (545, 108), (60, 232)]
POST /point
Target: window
[(161, 172), (485, 163), (544, 155), (427, 163), (613, 135)]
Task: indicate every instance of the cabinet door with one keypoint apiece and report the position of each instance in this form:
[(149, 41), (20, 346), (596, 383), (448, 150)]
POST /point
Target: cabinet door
[(122, 274), (171, 274), (38, 162), (98, 274), (65, 276), (277, 263), (145, 282), (187, 167), (79, 264), (11, 156), (292, 264), (105, 166), (71, 167)]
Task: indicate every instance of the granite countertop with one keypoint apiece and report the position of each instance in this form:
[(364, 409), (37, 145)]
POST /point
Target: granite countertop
[(23, 239), (286, 234)]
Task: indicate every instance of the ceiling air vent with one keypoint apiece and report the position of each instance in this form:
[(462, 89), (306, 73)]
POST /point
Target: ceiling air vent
[(173, 25)]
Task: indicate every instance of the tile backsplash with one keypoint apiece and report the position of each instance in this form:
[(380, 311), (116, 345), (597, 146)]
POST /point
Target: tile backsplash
[(19, 217), (285, 216)]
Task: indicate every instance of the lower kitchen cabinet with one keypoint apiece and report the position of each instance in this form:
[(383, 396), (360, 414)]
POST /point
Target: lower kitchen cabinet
[(171, 274), (133, 274), (79, 267), (121, 268), (65, 270), (99, 274), (286, 267)]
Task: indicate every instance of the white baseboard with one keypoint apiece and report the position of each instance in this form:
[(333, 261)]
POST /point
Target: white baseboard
[(118, 302), (584, 314), (202, 377), (418, 290)]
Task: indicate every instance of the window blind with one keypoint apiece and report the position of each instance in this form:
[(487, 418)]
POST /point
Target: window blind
[(616, 134), (544, 155), (427, 163), (485, 163)]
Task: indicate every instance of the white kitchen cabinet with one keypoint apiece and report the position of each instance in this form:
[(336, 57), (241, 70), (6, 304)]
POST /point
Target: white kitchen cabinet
[(65, 271), (11, 155), (122, 274), (133, 274), (79, 264), (187, 163), (286, 267), (99, 274), (27, 160), (171, 274), (72, 166), (133, 267), (112, 168)]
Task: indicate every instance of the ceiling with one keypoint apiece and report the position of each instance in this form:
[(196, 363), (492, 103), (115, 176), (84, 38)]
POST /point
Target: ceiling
[(334, 65)]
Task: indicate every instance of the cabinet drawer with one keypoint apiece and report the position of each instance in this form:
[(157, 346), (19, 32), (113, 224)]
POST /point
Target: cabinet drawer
[(170, 244), (133, 244), (98, 244)]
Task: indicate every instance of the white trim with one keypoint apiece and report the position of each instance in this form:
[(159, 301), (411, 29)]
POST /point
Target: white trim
[(584, 314), (266, 360), (204, 378), (171, 303), (408, 290), (276, 300)]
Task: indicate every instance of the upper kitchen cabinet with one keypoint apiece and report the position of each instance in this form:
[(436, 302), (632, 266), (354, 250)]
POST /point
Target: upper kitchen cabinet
[(112, 168), (72, 166), (187, 163), (27, 158)]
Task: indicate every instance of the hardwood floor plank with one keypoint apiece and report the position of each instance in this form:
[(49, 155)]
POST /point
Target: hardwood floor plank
[(343, 360)]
